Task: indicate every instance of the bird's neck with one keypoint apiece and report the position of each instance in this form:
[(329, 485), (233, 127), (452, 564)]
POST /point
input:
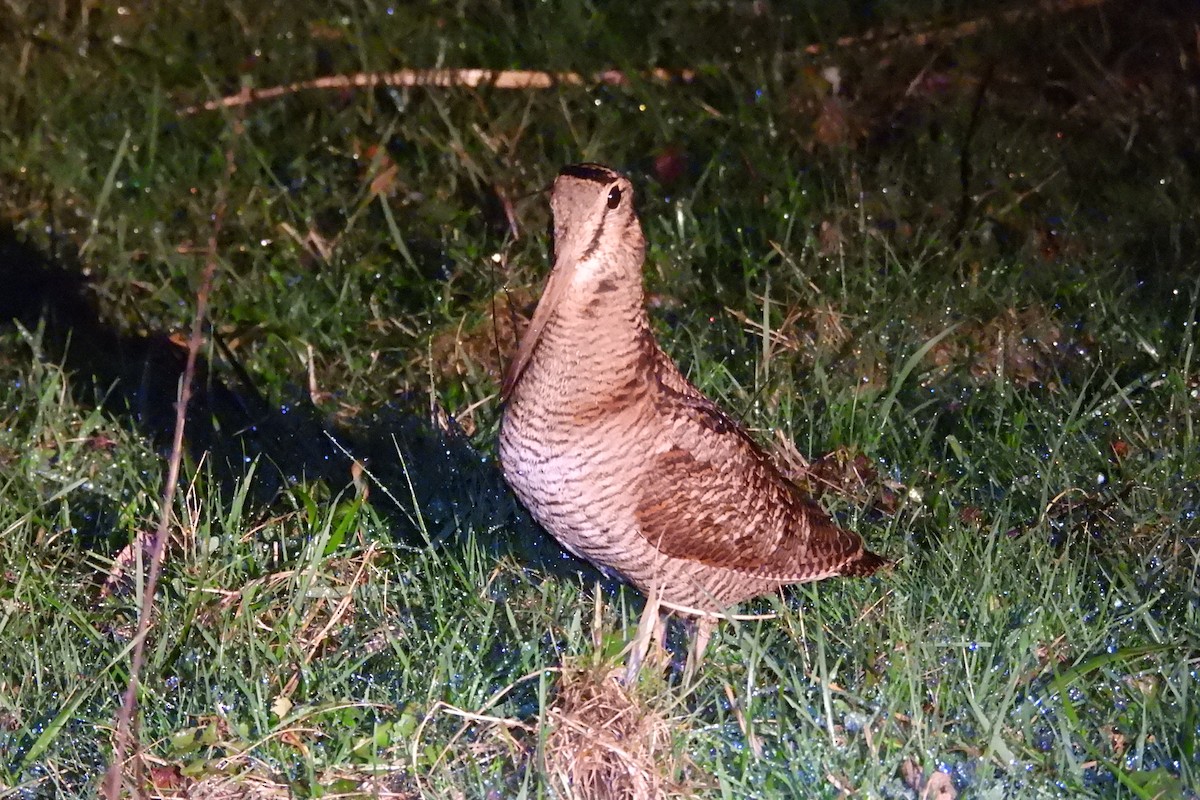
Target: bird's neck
[(601, 333)]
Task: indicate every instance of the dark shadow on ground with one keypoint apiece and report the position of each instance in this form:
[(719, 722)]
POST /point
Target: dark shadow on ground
[(433, 484)]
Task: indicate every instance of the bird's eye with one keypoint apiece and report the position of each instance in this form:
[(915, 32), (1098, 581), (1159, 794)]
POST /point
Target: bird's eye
[(614, 197)]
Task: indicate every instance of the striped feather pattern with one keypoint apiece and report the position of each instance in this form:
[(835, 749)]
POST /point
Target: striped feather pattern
[(625, 462)]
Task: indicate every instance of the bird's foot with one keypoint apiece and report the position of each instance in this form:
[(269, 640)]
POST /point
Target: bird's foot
[(650, 631)]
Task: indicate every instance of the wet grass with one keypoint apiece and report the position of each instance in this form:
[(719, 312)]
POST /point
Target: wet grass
[(968, 275)]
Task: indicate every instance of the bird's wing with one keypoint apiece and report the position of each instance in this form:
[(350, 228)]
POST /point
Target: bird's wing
[(716, 498)]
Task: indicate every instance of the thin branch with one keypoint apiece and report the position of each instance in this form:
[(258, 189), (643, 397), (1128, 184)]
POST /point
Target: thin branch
[(518, 79), (114, 779), (886, 40), (446, 78)]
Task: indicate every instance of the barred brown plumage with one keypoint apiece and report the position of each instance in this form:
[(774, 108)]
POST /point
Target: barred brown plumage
[(620, 457)]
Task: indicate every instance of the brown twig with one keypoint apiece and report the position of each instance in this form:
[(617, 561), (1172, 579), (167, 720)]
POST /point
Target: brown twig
[(516, 79), (114, 778), (886, 40), (445, 78)]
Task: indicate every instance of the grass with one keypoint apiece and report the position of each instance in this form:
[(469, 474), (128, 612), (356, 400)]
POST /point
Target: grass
[(969, 276)]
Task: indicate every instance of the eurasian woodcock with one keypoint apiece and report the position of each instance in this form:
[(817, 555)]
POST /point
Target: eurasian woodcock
[(615, 453)]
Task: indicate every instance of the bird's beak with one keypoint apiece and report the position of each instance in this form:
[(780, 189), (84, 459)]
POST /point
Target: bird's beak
[(556, 287)]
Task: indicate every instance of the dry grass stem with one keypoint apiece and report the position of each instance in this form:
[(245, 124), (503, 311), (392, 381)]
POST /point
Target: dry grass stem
[(124, 739)]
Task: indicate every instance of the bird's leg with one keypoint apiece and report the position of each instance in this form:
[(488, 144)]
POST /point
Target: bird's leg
[(704, 630), (650, 628)]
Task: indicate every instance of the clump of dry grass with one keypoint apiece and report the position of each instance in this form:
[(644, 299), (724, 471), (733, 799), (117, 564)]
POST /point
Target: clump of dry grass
[(475, 345), (606, 741), (1022, 346), (243, 781)]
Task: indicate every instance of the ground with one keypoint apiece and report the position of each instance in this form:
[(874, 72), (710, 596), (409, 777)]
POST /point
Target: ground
[(941, 257)]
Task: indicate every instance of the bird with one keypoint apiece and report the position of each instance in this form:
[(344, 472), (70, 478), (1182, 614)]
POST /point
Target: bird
[(615, 453)]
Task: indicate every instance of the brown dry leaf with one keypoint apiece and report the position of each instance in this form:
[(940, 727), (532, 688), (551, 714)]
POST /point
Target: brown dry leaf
[(670, 164), (830, 238), (293, 739), (1147, 684), (384, 182), (1116, 740), (326, 32), (840, 783), (1055, 246), (912, 774), (835, 126), (866, 365), (829, 325), (124, 559), (971, 515), (378, 169), (167, 778), (845, 471), (939, 787), (1022, 347), (1057, 651), (100, 441)]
